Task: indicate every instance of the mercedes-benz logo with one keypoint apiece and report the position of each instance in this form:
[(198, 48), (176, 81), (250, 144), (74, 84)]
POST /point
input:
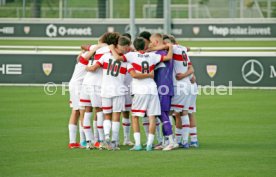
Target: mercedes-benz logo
[(252, 71)]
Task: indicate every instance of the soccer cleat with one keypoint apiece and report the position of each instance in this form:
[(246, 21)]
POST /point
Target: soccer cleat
[(128, 143), (114, 146), (107, 145), (97, 144), (185, 145), (89, 145), (194, 144), (149, 148), (158, 147), (169, 147), (83, 144), (136, 148), (74, 145)]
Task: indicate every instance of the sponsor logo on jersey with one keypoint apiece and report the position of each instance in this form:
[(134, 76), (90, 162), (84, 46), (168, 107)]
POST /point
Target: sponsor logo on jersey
[(47, 68), (211, 70), (252, 71), (27, 29)]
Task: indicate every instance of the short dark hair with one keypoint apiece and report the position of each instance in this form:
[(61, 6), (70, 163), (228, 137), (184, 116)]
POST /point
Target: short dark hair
[(123, 41), (127, 35), (165, 36), (172, 38), (139, 43), (110, 38), (145, 34)]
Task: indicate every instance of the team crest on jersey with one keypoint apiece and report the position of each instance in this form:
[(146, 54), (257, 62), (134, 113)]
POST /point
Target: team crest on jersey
[(47, 68), (27, 29), (211, 70), (196, 30)]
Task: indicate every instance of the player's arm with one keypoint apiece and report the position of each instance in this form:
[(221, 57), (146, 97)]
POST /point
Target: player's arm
[(93, 51), (193, 79), (85, 47), (160, 47), (78, 57), (190, 71), (141, 75), (94, 67), (115, 54), (169, 54)]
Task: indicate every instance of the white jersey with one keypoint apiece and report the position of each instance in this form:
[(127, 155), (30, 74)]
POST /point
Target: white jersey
[(79, 71), (114, 73), (143, 63), (95, 78), (181, 62)]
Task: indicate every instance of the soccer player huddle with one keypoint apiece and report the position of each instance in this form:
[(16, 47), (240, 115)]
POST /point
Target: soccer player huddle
[(152, 79)]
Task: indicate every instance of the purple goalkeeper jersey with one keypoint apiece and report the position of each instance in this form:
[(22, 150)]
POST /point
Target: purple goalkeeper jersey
[(164, 75)]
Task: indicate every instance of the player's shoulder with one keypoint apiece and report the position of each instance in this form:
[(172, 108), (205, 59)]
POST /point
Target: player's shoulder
[(104, 49)]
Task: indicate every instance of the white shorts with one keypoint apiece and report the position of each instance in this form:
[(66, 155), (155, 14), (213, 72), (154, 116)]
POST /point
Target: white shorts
[(90, 96), (114, 104), (74, 91), (194, 92), (128, 102), (145, 103), (181, 98)]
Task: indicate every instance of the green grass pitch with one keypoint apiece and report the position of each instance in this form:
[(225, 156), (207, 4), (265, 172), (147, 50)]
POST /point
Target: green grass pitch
[(237, 137)]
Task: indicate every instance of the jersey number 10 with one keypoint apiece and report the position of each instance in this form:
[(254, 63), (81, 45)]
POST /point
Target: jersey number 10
[(114, 67)]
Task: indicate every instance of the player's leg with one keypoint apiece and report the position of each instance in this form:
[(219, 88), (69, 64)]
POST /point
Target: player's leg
[(176, 107), (87, 127), (82, 134), (145, 122), (95, 129), (126, 128), (97, 105), (74, 117), (153, 110), (85, 115), (73, 129), (107, 110), (126, 120), (139, 106), (192, 110), (159, 136), (118, 105), (185, 119)]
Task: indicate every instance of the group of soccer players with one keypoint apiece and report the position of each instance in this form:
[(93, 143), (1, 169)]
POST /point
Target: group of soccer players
[(152, 79)]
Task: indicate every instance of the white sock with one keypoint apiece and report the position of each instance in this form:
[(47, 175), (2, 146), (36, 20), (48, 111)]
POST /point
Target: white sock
[(107, 128), (150, 139), (95, 131), (193, 134), (145, 122), (137, 138), (170, 139), (82, 135), (72, 133), (178, 135), (158, 132), (87, 126), (115, 131), (126, 127), (185, 128), (171, 120), (100, 125)]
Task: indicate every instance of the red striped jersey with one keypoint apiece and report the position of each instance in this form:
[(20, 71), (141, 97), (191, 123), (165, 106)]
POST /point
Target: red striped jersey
[(181, 62), (114, 74), (143, 63), (95, 78)]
